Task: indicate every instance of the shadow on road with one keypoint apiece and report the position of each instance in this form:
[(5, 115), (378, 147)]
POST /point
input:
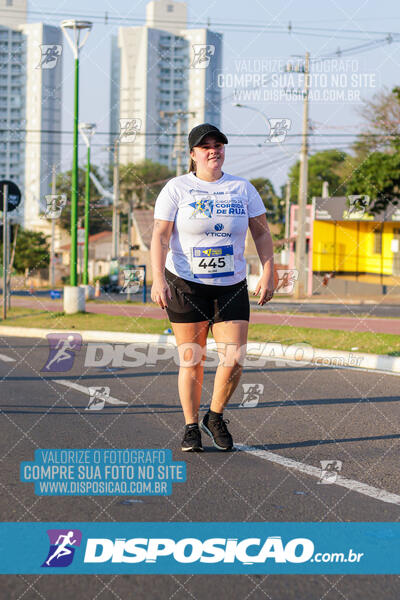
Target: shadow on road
[(139, 408)]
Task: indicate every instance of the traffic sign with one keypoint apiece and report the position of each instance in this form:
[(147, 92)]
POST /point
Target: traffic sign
[(14, 195)]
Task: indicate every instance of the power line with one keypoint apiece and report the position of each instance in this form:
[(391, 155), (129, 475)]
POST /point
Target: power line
[(362, 47), (265, 165), (107, 18), (231, 146), (173, 134)]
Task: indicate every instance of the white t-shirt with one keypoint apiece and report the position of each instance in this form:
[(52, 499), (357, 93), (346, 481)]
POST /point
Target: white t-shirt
[(210, 223)]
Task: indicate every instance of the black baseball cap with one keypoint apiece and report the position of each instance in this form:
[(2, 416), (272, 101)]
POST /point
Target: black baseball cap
[(200, 131)]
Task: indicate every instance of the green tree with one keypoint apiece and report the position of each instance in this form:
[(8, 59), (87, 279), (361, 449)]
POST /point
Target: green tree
[(377, 151), (381, 116), (31, 252), (332, 166), (141, 183), (272, 202), (378, 176), (100, 216)]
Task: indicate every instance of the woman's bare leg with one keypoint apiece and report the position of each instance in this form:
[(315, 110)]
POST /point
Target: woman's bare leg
[(232, 336), (191, 339)]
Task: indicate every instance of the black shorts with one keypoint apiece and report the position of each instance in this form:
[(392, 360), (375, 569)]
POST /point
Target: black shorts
[(193, 302)]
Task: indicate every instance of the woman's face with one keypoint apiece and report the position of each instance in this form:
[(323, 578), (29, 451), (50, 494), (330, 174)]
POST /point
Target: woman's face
[(209, 155)]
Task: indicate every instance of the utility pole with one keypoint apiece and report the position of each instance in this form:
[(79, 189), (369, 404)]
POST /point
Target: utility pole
[(115, 214), (5, 252), (178, 143), (53, 230), (8, 233), (300, 289), (287, 212), (130, 209), (87, 131), (11, 262), (179, 146)]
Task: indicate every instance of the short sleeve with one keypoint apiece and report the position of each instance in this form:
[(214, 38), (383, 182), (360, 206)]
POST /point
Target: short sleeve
[(166, 204), (255, 204)]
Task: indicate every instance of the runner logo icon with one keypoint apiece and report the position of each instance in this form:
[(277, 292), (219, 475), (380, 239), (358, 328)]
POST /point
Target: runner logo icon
[(50, 55), (251, 394), (62, 547), (62, 348), (330, 470), (202, 55), (98, 397)]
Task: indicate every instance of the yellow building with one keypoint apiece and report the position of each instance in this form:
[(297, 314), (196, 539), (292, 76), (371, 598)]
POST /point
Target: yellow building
[(355, 240)]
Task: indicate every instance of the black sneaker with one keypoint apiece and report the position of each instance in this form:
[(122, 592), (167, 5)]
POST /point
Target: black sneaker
[(192, 439), (217, 430)]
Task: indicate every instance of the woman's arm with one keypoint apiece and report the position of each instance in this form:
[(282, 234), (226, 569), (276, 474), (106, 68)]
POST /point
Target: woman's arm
[(158, 251), (262, 238)]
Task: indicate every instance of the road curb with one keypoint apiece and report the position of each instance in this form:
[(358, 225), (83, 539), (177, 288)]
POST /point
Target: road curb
[(301, 354)]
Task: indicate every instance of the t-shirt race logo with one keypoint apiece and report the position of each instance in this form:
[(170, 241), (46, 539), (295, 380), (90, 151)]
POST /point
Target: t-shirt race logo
[(203, 207), (62, 547)]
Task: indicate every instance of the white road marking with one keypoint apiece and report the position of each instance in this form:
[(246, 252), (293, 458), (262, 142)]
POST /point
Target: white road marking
[(351, 484), (85, 390), (5, 358)]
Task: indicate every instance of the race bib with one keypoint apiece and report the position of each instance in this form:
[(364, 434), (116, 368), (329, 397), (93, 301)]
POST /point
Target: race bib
[(212, 262)]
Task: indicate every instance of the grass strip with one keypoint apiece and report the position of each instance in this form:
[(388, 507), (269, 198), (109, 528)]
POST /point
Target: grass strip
[(333, 339)]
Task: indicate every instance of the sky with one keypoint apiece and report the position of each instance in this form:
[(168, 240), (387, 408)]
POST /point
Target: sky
[(257, 44)]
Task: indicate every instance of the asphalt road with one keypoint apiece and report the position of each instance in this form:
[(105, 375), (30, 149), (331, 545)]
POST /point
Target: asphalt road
[(307, 414), (340, 308), (379, 307)]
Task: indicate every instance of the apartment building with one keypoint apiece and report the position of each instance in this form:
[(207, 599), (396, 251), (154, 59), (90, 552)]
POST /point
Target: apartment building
[(158, 70)]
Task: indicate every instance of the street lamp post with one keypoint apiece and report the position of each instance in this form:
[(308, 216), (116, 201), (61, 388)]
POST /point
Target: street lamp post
[(116, 207), (260, 112), (87, 131), (79, 34)]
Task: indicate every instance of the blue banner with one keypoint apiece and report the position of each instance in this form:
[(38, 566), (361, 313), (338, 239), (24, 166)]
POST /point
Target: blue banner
[(103, 472), (214, 548)]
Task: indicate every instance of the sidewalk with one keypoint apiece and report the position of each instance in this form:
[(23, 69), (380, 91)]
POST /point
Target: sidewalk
[(391, 299), (151, 311), (355, 324), (350, 289)]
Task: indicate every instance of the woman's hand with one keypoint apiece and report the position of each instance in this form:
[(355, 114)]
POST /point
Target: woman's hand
[(160, 292), (266, 287)]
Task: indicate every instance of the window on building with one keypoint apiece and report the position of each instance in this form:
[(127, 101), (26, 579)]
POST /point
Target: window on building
[(9, 3), (378, 241), (170, 7)]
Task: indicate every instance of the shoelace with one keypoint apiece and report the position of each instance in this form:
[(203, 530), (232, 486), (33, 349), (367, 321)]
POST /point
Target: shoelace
[(221, 424), (190, 433)]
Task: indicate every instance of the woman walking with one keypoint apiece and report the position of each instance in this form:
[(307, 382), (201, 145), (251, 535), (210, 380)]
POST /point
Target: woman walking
[(199, 275)]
